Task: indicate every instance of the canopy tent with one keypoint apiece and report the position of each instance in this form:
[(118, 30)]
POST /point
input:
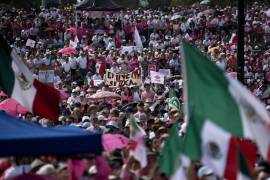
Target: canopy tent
[(18, 138), (98, 5)]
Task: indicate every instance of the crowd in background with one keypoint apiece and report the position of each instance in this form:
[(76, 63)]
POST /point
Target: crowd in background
[(98, 43)]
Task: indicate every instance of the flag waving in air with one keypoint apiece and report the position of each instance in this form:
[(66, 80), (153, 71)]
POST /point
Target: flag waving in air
[(137, 38), (17, 82), (218, 109), (174, 102), (171, 161), (137, 145)]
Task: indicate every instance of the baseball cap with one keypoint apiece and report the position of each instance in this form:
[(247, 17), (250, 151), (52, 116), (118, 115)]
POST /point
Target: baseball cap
[(204, 171)]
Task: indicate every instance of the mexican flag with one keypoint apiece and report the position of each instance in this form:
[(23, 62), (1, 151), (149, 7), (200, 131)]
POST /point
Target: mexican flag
[(170, 158), (219, 109), (137, 146), (233, 39), (17, 82), (101, 68), (174, 102)]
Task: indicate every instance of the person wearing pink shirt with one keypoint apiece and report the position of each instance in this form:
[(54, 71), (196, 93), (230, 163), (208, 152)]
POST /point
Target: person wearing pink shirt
[(147, 93)]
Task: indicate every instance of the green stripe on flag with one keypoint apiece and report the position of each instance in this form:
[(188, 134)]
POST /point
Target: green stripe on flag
[(135, 128), (207, 98), (208, 93), (7, 77), (169, 158)]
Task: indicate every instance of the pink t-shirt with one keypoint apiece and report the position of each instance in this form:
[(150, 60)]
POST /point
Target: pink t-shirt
[(147, 95)]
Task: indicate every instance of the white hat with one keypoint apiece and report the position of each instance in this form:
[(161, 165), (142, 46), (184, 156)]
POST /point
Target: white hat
[(86, 125), (204, 171), (74, 90), (101, 117), (92, 170), (47, 169), (112, 123), (78, 88), (85, 118), (82, 94)]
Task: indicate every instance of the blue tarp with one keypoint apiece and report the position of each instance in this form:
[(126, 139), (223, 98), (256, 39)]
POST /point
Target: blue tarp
[(18, 137)]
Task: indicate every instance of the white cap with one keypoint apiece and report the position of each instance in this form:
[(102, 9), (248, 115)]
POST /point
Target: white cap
[(112, 123), (101, 117), (78, 88), (74, 90), (47, 169), (204, 171), (85, 118)]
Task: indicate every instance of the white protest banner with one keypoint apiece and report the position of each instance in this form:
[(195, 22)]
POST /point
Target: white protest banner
[(120, 80), (156, 77), (151, 67), (30, 43), (128, 49), (165, 72), (46, 76)]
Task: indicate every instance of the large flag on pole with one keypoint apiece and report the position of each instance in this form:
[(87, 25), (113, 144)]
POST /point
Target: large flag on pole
[(218, 109), (17, 82), (137, 38)]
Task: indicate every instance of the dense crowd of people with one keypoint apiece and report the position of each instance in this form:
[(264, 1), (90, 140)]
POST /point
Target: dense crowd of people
[(98, 46)]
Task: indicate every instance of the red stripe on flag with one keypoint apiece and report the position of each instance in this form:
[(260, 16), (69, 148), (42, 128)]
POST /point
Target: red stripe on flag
[(268, 154), (46, 102), (232, 161), (249, 150)]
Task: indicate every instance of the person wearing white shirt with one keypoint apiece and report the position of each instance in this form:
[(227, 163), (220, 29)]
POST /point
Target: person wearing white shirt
[(110, 44), (66, 66), (96, 76), (183, 27), (82, 62), (16, 170), (56, 78), (73, 64), (37, 62), (46, 60), (115, 68), (74, 98)]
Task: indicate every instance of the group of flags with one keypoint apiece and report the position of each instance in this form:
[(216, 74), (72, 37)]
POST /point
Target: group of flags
[(221, 114)]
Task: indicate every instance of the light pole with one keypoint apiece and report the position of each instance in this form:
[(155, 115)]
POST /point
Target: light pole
[(240, 41), (43, 3)]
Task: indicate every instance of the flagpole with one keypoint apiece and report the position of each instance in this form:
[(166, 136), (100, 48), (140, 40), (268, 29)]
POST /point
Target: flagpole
[(240, 41)]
